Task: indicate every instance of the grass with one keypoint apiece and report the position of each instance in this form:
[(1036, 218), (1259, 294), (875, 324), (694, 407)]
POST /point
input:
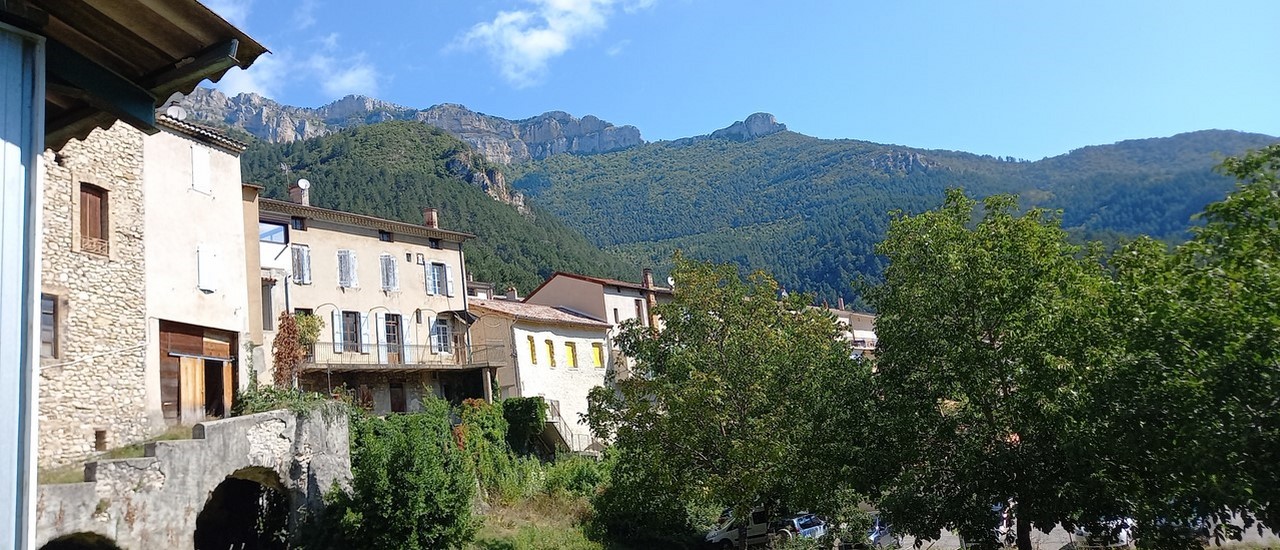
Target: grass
[(74, 473), (541, 522)]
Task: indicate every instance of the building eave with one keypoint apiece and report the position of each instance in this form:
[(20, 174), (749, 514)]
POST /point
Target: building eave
[(291, 209)]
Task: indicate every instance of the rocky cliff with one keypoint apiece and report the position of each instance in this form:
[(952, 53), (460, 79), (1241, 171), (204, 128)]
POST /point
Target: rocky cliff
[(498, 139), (756, 125)]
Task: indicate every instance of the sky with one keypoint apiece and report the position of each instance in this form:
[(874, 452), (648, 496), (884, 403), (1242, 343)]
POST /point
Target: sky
[(1026, 79)]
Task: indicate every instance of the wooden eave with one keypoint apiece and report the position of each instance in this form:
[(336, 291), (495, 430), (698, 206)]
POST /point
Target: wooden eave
[(109, 60)]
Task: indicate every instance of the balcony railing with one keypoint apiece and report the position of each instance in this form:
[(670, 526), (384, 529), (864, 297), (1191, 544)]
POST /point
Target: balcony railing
[(347, 355), (94, 245)]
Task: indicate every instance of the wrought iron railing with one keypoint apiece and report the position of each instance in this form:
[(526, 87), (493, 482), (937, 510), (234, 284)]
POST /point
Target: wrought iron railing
[(402, 355), (576, 442), (94, 245)]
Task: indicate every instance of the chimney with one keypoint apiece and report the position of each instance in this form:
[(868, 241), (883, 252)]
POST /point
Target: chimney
[(840, 303), (300, 194), (512, 293), (650, 297), (646, 278), (430, 218)]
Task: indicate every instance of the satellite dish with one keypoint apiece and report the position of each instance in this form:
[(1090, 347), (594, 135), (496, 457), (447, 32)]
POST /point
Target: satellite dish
[(176, 111), (304, 184), (671, 282)]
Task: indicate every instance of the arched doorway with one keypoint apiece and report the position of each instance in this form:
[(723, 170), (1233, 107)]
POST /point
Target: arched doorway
[(249, 510), (81, 541)]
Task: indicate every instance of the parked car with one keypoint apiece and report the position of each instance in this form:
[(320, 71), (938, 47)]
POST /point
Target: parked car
[(1117, 533), (880, 536), (759, 528)]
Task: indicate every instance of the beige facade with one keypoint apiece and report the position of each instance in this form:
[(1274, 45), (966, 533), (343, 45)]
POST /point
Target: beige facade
[(859, 330), (391, 296), (92, 393), (558, 355), (196, 280)]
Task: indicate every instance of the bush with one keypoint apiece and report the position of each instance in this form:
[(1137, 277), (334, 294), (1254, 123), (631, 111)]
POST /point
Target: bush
[(574, 475), (256, 399), (526, 418), (642, 508), (411, 487), (483, 435)]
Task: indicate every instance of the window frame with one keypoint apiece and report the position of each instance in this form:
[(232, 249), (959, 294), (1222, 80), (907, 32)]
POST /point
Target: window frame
[(53, 314), (284, 232), (441, 336), (390, 271), (99, 241), (351, 339)]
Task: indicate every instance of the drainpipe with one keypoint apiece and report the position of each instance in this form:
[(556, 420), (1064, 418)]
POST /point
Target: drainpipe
[(650, 297)]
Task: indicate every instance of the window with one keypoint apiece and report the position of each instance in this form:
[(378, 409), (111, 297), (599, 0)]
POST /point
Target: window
[(640, 312), (301, 264), (95, 228), (303, 311), (347, 269), (597, 355), (268, 320), (384, 236), (533, 352), (441, 336), (434, 243), (269, 232), (351, 331), (48, 325), (391, 335), (200, 180), (390, 275), (439, 279), (551, 354), (299, 223), (615, 316), (571, 354)]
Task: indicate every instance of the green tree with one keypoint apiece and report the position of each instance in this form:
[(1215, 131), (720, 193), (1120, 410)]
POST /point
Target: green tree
[(738, 399), (984, 331), (1196, 394), (412, 487)]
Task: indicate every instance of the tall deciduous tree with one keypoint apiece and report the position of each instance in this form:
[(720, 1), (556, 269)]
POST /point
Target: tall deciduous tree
[(743, 398), (985, 330)]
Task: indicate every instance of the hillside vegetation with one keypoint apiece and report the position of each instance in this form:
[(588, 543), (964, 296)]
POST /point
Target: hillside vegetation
[(810, 210), (394, 169)]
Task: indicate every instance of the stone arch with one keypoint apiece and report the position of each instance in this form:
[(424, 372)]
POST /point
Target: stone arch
[(249, 509), (81, 541)]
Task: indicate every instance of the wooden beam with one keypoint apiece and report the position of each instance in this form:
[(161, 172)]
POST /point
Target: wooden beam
[(104, 89), (190, 71)]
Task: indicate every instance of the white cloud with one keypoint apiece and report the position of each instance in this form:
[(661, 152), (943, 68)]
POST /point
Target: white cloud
[(305, 14), (235, 12), (522, 42), (266, 77), (618, 48), (342, 76)]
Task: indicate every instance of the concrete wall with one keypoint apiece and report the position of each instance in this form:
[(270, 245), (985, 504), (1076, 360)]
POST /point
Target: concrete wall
[(153, 502), (559, 381), (254, 350), (581, 296), (95, 381)]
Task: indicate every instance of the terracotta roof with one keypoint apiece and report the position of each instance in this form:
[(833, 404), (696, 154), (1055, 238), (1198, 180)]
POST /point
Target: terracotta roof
[(603, 281), (531, 312), (338, 216), (202, 133)]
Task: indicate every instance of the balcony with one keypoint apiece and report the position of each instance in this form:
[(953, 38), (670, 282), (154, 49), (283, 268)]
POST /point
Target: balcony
[(399, 358), (94, 245)]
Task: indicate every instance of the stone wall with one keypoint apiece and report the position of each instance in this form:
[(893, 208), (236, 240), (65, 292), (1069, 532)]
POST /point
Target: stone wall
[(95, 381), (153, 502)]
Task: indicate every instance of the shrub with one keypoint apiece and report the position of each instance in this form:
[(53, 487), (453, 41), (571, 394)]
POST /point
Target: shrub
[(483, 435), (575, 475), (526, 418), (642, 508)]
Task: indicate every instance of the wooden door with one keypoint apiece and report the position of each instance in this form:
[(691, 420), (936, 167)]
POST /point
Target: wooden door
[(228, 388), (191, 389), (391, 330)]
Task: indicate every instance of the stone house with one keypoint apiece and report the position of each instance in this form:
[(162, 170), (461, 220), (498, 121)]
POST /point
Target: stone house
[(558, 354), (141, 323), (391, 296)]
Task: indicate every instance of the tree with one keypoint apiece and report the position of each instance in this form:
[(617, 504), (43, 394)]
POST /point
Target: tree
[(984, 332), (288, 352), (740, 399), (1196, 393)]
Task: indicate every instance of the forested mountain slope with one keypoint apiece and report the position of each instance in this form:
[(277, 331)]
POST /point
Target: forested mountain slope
[(394, 169), (810, 210)]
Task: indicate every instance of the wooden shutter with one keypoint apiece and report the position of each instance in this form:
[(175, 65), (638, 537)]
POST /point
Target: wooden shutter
[(191, 389), (597, 355), (390, 279), (346, 273), (431, 279), (337, 331), (301, 264), (448, 273), (364, 333), (91, 219), (406, 340), (533, 351)]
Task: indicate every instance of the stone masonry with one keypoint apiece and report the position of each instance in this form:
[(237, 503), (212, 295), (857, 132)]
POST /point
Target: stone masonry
[(95, 380)]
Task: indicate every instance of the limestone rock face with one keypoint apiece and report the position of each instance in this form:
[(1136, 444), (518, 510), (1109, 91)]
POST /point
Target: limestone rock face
[(500, 140), (756, 125)]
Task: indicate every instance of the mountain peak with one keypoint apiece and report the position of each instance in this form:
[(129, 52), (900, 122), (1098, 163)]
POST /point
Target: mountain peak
[(754, 126)]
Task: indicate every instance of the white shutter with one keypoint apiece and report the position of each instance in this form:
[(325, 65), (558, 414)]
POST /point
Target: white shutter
[(406, 339), (206, 268), (449, 280), (389, 279), (301, 264), (347, 269), (380, 330), (431, 278), (355, 269), (200, 169), (364, 333), (395, 271), (337, 331)]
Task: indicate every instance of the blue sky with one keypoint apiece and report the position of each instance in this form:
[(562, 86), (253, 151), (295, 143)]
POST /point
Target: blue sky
[(1027, 79)]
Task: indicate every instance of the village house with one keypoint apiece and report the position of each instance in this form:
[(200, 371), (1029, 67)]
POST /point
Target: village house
[(558, 354), (140, 323), (391, 296), (859, 329)]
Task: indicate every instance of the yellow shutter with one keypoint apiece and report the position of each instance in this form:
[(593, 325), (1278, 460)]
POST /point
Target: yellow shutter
[(597, 355), (571, 349), (551, 354), (533, 352)]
